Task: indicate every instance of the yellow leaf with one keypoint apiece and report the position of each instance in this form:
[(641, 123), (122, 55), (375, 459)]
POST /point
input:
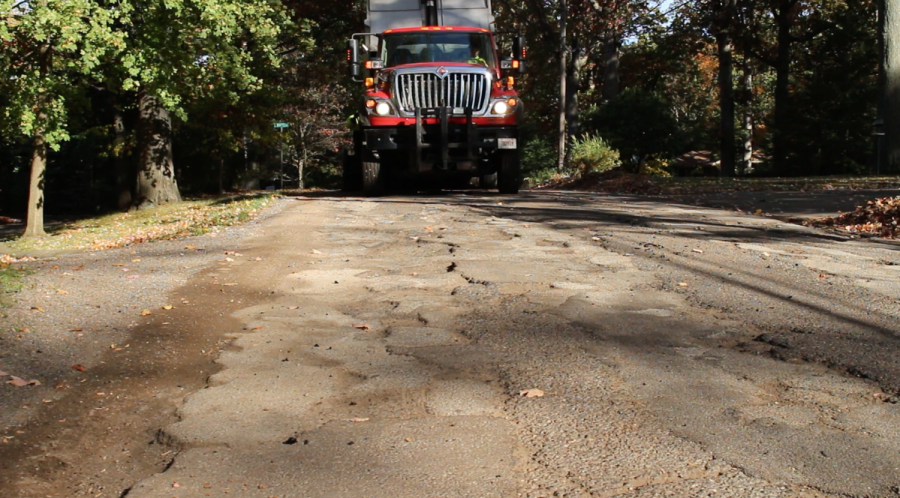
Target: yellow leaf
[(168, 307), (60, 291), (146, 312)]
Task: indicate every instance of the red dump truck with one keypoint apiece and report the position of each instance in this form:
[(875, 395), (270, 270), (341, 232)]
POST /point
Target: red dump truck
[(440, 105)]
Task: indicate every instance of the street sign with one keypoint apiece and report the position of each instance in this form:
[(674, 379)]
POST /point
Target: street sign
[(282, 125)]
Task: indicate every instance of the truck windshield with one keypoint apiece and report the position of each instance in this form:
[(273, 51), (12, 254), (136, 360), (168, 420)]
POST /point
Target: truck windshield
[(408, 48)]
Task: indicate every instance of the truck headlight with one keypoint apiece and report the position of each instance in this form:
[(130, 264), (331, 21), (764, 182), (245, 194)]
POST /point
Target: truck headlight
[(501, 107), (382, 109)]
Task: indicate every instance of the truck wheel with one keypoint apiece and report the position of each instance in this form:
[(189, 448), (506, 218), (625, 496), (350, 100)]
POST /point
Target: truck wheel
[(509, 174), (488, 181), (373, 178), (351, 173)]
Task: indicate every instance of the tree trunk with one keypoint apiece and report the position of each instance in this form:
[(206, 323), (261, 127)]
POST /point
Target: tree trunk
[(34, 224), (563, 49), (784, 18), (156, 183), (889, 108), (573, 85), (611, 67), (746, 165), (124, 174), (726, 90)]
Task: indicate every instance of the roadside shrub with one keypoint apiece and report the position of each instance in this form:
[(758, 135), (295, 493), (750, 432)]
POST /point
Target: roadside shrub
[(655, 166), (538, 155), (638, 124), (591, 154)]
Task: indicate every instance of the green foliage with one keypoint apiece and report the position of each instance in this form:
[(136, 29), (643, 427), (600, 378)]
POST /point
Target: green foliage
[(835, 96), (591, 154), (537, 155), (539, 161), (49, 47), (638, 123)]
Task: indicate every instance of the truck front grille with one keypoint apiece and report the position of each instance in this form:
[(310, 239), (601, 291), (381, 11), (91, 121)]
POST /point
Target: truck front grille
[(457, 90)]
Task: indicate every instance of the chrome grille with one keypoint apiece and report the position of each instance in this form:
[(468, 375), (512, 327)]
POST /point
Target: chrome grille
[(427, 90)]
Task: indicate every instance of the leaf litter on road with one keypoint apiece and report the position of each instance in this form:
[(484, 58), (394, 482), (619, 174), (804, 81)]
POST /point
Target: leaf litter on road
[(20, 382)]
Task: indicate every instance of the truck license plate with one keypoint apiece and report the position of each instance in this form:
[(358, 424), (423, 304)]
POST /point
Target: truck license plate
[(506, 143)]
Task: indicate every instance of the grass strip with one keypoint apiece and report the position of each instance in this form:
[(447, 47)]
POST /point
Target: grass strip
[(169, 221)]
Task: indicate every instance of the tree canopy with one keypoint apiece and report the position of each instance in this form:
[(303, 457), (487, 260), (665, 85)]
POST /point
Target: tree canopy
[(115, 104)]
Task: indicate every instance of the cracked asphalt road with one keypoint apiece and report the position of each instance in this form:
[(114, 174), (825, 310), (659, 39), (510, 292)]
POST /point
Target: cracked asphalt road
[(384, 345)]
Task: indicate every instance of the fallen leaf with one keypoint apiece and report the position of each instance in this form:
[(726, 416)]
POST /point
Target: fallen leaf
[(698, 251), (357, 419), (257, 328), (258, 259), (766, 254), (596, 239), (138, 260), (133, 276), (228, 259), (168, 307), (79, 367), (20, 382), (532, 393), (231, 284), (119, 264), (176, 485), (293, 307), (682, 284), (76, 329), (60, 291), (316, 251), (362, 326), (759, 211), (190, 248), (146, 312), (37, 308)]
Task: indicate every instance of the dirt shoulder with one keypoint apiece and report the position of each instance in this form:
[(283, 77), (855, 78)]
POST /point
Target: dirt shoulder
[(115, 339)]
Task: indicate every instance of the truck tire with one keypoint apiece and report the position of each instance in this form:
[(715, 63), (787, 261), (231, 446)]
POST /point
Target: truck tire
[(488, 181), (372, 178), (509, 176)]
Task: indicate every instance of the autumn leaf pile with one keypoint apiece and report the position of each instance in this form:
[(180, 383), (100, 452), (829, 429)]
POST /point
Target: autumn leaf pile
[(880, 217)]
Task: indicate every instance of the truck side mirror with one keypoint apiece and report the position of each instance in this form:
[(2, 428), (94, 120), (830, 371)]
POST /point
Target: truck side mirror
[(353, 58), (519, 52)]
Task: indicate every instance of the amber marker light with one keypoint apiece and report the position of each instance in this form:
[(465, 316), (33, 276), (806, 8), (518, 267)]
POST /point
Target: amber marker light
[(370, 104), (512, 102), (370, 82), (515, 64), (510, 82)]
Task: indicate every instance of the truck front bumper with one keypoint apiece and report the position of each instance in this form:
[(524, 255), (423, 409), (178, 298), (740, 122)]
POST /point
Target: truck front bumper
[(437, 143)]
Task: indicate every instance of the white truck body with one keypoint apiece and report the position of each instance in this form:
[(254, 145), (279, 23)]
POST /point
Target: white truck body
[(393, 14)]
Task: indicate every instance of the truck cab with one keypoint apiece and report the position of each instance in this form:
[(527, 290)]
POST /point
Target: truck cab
[(440, 105)]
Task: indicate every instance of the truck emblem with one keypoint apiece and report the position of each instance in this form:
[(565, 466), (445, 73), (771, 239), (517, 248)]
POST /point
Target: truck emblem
[(442, 71)]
